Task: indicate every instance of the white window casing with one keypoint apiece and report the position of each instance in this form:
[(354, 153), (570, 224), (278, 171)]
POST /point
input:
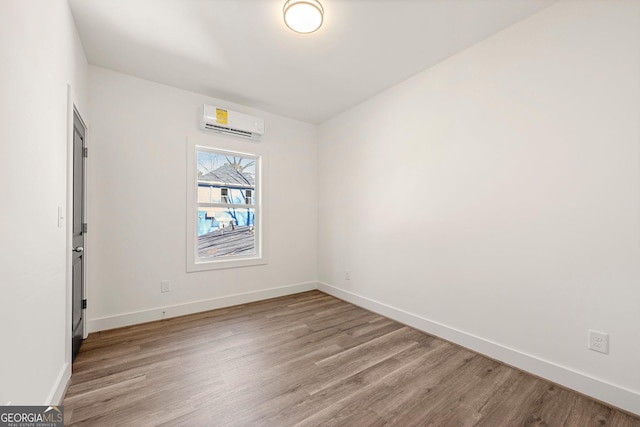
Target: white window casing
[(253, 199)]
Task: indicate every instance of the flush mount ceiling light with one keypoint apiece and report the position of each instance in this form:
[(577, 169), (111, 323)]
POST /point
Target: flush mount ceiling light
[(303, 16)]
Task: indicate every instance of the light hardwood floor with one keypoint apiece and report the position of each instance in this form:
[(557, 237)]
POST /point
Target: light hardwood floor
[(307, 359)]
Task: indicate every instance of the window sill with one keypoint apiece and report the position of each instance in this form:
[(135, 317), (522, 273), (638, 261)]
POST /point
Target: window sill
[(223, 264)]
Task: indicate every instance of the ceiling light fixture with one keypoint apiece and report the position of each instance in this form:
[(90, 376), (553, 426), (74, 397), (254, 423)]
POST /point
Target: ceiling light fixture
[(303, 16)]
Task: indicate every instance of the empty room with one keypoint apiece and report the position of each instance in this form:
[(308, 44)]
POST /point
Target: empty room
[(320, 212)]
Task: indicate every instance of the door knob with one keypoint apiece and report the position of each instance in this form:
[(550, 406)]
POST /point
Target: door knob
[(78, 249)]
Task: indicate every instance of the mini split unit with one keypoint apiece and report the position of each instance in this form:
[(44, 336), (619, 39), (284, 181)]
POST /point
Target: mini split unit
[(232, 123)]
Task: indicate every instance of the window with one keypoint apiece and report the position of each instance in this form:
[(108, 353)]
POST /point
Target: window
[(225, 213), (224, 195)]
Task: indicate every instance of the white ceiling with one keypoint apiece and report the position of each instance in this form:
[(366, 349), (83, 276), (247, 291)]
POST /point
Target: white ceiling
[(241, 50)]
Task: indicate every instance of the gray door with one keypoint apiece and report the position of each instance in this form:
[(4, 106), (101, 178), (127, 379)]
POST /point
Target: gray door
[(77, 275)]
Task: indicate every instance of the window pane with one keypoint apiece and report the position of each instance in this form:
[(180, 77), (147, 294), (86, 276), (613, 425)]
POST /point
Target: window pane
[(224, 232), (226, 178)]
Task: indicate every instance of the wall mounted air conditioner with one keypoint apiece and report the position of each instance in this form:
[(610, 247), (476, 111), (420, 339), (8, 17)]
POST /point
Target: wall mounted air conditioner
[(232, 123)]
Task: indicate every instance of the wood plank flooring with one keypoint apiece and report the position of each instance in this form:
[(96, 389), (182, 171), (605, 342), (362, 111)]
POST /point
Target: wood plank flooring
[(306, 360)]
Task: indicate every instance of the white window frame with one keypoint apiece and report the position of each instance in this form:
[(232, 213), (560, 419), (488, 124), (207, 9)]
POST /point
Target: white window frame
[(221, 144)]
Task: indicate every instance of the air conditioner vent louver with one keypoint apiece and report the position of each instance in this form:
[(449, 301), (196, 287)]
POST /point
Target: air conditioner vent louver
[(230, 130), (233, 123)]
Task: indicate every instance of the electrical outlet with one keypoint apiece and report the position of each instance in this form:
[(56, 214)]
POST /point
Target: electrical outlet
[(347, 274), (598, 341), (165, 286)]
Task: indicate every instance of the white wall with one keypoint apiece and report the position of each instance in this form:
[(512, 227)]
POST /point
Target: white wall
[(41, 54), (137, 204), (494, 199)]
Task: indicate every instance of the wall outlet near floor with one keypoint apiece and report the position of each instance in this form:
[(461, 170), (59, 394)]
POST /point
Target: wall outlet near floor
[(598, 341), (347, 274), (165, 286)]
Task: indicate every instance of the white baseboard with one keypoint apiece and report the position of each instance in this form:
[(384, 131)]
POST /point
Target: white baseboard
[(627, 400), (127, 319), (60, 387)]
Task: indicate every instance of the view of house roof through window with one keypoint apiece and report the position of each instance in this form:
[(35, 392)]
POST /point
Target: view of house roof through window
[(226, 202)]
